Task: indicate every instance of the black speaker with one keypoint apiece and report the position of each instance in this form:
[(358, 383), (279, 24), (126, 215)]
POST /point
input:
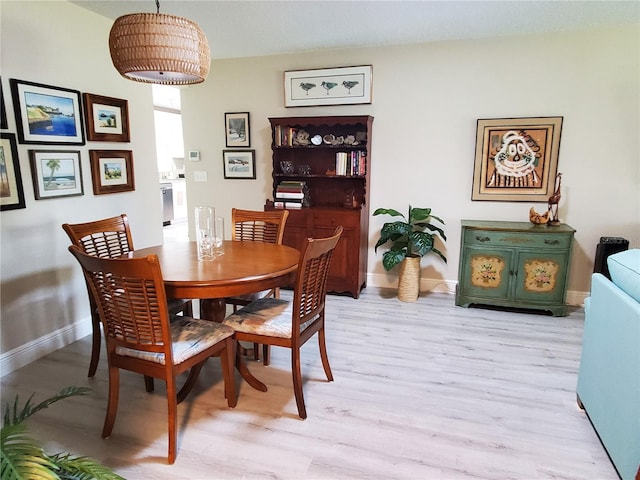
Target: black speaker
[(608, 246)]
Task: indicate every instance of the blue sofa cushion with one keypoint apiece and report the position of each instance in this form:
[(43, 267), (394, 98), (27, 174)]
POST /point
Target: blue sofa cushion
[(624, 268)]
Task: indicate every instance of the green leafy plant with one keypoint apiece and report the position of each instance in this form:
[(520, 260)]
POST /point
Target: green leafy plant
[(22, 457), (413, 236)]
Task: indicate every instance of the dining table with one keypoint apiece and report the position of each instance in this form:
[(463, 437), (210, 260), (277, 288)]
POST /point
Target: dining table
[(242, 268)]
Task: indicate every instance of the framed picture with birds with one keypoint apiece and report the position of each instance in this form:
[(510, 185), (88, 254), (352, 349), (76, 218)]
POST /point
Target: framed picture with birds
[(328, 86), (516, 159)]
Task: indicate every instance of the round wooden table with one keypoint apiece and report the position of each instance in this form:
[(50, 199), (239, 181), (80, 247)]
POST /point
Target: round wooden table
[(245, 267)]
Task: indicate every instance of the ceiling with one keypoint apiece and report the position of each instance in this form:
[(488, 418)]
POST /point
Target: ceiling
[(241, 28)]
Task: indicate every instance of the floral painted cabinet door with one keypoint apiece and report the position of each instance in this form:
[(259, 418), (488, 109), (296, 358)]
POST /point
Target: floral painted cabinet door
[(514, 264)]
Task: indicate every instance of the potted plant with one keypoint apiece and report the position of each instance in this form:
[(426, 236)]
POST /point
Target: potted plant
[(411, 239), (23, 458)]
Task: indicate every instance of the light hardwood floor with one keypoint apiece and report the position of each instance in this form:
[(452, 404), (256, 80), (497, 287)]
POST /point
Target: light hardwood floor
[(423, 390)]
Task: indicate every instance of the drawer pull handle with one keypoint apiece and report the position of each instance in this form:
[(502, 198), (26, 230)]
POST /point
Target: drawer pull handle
[(482, 239), (552, 242)]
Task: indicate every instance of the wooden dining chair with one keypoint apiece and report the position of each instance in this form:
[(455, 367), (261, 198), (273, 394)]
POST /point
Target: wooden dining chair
[(139, 337), (108, 238), (257, 226), (282, 323)]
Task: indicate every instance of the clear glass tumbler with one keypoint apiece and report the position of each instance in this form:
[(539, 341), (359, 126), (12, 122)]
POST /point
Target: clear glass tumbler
[(218, 236), (205, 232)]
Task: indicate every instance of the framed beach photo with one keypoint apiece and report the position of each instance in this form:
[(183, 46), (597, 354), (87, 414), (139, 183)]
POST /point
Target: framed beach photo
[(111, 171), (516, 159), (47, 114), (239, 164), (328, 86), (56, 173), (237, 129), (11, 192), (107, 118)]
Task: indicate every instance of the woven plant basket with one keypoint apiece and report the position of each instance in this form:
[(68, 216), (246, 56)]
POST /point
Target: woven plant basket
[(409, 279)]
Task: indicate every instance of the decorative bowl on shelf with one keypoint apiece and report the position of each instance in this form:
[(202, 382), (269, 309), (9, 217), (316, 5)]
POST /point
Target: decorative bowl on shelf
[(316, 139), (287, 167), (304, 169)]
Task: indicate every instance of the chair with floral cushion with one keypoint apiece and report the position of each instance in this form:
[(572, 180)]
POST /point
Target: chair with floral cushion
[(139, 337), (257, 226), (282, 323), (108, 238)]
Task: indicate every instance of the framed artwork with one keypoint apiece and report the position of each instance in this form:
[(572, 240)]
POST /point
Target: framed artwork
[(111, 171), (237, 129), (239, 163), (56, 173), (107, 118), (516, 159), (3, 111), (328, 86), (11, 193), (46, 114)]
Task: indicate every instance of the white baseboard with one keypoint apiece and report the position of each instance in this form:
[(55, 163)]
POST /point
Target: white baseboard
[(31, 351), (574, 298)]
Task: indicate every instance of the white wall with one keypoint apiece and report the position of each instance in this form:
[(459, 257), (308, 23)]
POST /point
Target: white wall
[(426, 101), (43, 297)]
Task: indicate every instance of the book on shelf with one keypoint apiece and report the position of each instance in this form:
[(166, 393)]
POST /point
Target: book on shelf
[(287, 204), (351, 163), (289, 195)]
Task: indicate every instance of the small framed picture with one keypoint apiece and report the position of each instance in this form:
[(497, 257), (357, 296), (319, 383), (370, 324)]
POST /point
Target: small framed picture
[(11, 193), (107, 118), (239, 163), (46, 114), (237, 129), (112, 171), (56, 173)]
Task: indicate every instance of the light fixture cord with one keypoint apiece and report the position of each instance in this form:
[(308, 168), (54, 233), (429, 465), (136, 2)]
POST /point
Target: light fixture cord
[(157, 6)]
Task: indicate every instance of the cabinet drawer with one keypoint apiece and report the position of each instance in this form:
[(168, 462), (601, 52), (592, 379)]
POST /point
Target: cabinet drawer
[(333, 218), (490, 238)]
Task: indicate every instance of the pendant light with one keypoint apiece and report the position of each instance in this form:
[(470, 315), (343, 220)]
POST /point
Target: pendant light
[(159, 48)]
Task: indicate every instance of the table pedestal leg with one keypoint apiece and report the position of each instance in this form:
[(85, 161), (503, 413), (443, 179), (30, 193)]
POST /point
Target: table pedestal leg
[(215, 309)]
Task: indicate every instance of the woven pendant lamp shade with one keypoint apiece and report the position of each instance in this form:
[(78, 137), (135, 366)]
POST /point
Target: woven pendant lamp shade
[(159, 48)]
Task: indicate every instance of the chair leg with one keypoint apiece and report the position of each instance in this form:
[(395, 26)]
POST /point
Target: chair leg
[(172, 408), (190, 382), (96, 335), (228, 358), (256, 351), (297, 382), (112, 402), (148, 384), (266, 355), (323, 354)]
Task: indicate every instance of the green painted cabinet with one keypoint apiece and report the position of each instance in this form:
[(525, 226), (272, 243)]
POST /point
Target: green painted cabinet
[(514, 264)]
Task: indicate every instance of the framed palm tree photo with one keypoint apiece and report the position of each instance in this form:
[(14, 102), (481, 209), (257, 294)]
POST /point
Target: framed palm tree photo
[(56, 173)]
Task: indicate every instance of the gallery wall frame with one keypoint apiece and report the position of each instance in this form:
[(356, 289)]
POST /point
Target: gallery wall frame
[(239, 164), (3, 111), (328, 86), (46, 114), (107, 118), (11, 192), (237, 129), (111, 171), (516, 159), (56, 173)]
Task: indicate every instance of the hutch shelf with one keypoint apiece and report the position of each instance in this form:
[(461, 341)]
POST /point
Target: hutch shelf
[(514, 264), (327, 158)]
